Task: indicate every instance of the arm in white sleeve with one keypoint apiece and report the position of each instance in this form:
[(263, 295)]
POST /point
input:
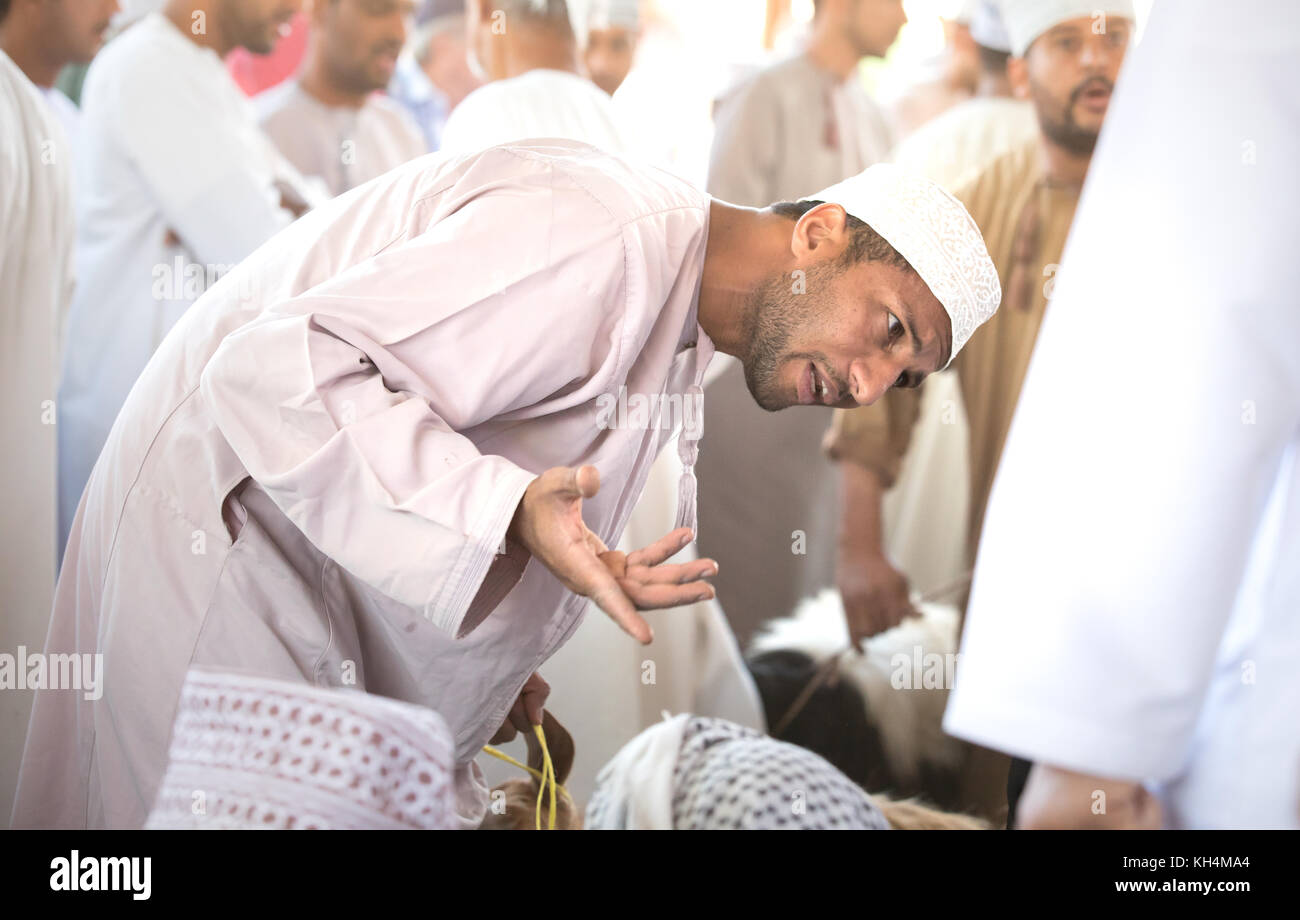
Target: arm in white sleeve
[(213, 176), (345, 403), (1158, 420)]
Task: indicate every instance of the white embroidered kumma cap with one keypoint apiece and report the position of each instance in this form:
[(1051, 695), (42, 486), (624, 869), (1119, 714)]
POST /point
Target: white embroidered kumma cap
[(1027, 19), (933, 231)]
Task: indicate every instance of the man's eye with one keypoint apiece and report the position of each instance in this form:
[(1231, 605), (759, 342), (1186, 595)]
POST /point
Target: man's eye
[(895, 327)]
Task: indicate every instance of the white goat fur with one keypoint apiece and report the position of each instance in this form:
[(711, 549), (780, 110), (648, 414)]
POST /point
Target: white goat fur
[(909, 721)]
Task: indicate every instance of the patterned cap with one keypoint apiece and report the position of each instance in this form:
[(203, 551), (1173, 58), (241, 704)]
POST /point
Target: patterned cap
[(932, 230), (696, 773), (251, 752)]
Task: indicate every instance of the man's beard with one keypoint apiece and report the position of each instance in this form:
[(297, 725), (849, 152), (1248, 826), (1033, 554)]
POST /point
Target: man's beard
[(772, 316), (1059, 125)]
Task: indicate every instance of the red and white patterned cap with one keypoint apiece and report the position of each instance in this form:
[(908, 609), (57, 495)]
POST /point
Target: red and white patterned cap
[(252, 752)]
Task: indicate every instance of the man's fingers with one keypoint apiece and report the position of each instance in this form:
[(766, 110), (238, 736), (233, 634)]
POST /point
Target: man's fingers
[(665, 547), (505, 734), (621, 610), (534, 698), (593, 580), (655, 597), (615, 561), (587, 481), (573, 481), (680, 573), (519, 715)]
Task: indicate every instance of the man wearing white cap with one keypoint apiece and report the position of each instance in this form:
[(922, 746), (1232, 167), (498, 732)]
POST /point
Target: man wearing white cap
[(798, 125), (1067, 55), (386, 453), (951, 146), (608, 37), (596, 679)]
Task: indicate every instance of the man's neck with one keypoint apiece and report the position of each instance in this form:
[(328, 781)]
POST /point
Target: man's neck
[(536, 50), (315, 82), (1061, 166), (831, 51), (181, 13), (990, 86), (27, 51), (744, 246)]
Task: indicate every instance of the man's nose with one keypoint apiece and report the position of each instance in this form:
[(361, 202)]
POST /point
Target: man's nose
[(1097, 52), (869, 379)]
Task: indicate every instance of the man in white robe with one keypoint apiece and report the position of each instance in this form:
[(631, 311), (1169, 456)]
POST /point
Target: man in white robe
[(176, 183), (331, 121), (1135, 621), (35, 286), (37, 39), (528, 53), (604, 687), (340, 465)]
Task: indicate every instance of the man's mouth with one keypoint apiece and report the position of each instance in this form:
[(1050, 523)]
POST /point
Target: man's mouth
[(815, 389), (1094, 96), (386, 56)]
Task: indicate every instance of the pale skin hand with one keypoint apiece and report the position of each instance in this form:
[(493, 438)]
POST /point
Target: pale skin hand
[(875, 594), (1057, 799), (548, 523)]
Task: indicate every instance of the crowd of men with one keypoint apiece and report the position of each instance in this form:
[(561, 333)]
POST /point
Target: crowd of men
[(378, 401)]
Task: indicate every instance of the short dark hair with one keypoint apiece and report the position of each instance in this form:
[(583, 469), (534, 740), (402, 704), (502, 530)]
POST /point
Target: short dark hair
[(865, 244), (992, 60), (4, 8)]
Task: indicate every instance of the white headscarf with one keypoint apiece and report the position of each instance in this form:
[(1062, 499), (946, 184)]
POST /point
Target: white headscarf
[(694, 773), (932, 230), (252, 752), (987, 28), (1027, 19)]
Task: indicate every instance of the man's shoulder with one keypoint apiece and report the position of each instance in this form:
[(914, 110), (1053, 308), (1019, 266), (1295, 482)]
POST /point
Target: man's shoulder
[(396, 116), (622, 188), (771, 80), (269, 104), (149, 54)]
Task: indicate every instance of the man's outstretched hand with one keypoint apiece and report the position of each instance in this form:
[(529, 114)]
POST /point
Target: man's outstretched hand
[(548, 523)]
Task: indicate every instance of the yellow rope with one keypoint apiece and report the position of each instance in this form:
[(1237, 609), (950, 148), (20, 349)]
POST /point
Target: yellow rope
[(548, 767), (546, 774)]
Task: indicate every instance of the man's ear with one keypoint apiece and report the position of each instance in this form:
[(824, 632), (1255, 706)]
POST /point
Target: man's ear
[(823, 226), (1018, 77)]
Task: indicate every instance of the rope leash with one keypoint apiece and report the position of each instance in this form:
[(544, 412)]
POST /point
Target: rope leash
[(547, 773)]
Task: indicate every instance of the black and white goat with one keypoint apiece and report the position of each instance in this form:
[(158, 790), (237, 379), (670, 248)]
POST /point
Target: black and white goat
[(879, 716)]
